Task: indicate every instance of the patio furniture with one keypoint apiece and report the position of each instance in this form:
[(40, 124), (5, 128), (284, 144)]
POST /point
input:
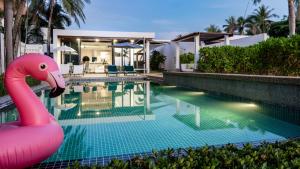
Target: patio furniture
[(128, 87), (112, 86), (78, 70), (129, 70), (112, 70), (65, 69)]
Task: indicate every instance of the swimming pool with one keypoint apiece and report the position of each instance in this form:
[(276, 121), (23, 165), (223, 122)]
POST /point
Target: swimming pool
[(103, 120)]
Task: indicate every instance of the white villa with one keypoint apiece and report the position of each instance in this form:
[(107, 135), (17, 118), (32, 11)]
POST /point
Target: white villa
[(95, 49), (96, 46)]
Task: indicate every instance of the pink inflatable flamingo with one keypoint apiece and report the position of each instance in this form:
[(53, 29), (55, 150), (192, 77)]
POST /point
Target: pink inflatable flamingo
[(37, 135)]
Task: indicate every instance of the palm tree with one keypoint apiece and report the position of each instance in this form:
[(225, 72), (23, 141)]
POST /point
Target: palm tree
[(255, 2), (51, 6), (292, 17), (20, 6), (8, 19), (252, 27), (241, 22), (297, 4), (230, 26), (261, 18), (13, 16), (60, 20), (213, 28), (74, 8)]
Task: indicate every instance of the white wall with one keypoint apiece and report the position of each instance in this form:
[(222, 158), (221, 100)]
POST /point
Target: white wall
[(31, 48), (169, 49), (243, 41)]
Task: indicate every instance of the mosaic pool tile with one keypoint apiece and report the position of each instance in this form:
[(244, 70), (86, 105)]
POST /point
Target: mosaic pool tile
[(106, 120)]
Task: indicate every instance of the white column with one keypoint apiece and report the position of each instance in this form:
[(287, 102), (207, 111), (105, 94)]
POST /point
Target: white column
[(131, 57), (57, 111), (147, 56), (177, 55), (148, 96), (2, 61), (226, 40), (197, 116), (56, 42), (177, 106), (202, 44), (265, 36), (197, 52)]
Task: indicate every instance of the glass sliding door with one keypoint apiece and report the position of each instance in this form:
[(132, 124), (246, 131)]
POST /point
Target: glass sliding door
[(97, 55)]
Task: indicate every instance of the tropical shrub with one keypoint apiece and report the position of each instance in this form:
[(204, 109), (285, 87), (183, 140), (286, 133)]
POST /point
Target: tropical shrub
[(187, 58), (266, 156), (30, 81), (276, 56), (156, 60)]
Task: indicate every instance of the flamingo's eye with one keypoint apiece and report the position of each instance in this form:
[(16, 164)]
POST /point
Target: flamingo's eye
[(43, 66)]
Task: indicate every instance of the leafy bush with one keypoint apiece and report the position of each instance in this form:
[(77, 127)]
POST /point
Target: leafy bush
[(156, 60), (266, 156), (187, 58), (276, 56), (30, 81)]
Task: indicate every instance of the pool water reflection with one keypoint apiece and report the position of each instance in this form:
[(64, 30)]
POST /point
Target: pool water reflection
[(103, 119)]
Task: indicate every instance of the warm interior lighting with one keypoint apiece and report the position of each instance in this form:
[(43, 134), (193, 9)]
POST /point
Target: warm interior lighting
[(115, 40), (78, 39), (131, 41), (97, 40)]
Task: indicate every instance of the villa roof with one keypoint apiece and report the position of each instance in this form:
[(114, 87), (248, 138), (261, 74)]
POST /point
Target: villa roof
[(204, 36), (90, 34)]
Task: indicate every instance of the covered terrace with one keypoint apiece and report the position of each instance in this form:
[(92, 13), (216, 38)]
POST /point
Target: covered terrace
[(200, 39)]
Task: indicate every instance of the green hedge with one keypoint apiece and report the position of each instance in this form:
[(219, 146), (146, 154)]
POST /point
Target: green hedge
[(266, 156), (156, 60), (276, 56), (30, 81), (187, 58)]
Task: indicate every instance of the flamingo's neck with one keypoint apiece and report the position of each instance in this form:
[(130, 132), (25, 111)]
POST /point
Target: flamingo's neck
[(31, 109)]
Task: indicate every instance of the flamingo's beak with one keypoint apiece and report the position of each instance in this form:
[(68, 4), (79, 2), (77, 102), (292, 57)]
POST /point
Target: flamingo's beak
[(57, 83)]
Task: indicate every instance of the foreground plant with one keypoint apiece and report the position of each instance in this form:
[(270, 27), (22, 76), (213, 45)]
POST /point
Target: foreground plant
[(267, 156)]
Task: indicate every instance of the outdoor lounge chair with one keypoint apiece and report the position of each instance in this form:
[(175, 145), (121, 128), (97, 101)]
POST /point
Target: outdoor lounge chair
[(128, 86), (112, 70), (112, 86), (78, 70), (129, 70)]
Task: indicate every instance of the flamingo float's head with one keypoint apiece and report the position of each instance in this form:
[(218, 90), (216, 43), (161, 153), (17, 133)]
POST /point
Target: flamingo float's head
[(42, 68)]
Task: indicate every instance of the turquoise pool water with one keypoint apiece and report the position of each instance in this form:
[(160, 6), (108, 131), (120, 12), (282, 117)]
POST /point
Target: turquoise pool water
[(107, 119)]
